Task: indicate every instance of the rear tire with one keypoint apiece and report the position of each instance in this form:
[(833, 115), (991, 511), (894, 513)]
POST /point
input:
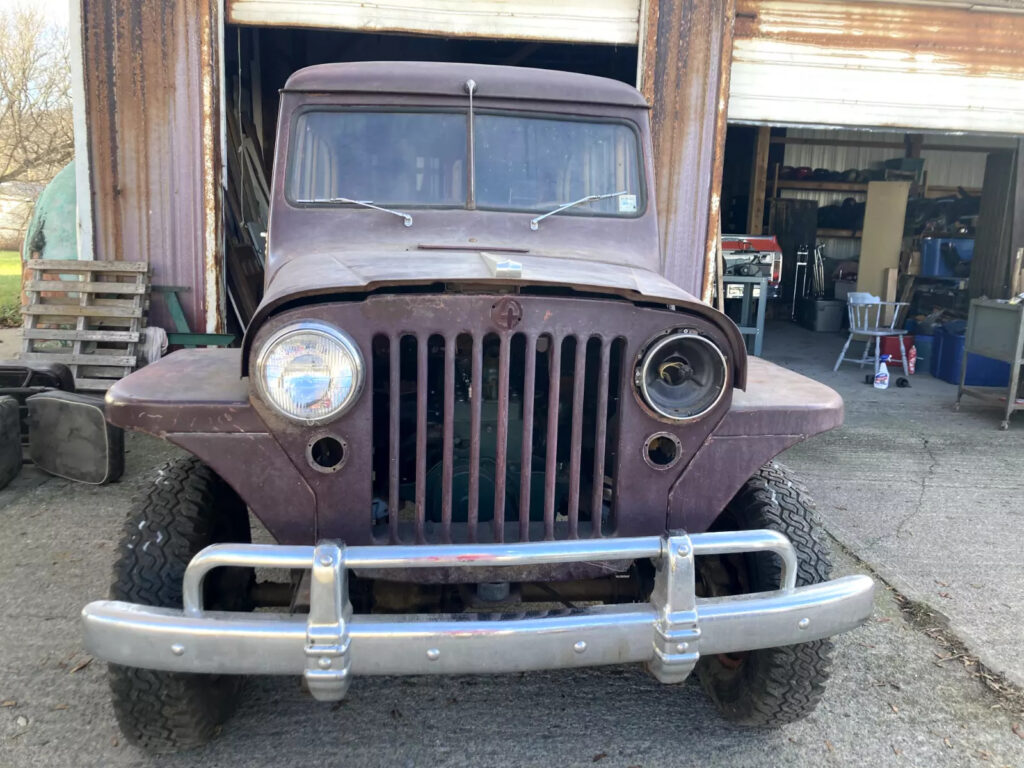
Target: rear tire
[(188, 508), (772, 686)]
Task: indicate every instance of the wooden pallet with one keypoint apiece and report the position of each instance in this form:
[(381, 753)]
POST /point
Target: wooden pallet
[(88, 315)]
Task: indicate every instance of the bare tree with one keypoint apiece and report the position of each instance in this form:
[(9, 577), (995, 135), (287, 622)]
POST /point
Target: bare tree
[(36, 134)]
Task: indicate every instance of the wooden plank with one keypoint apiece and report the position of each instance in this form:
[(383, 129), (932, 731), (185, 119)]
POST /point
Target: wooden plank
[(890, 279), (822, 186), (84, 358), (758, 181), (868, 144), (103, 371), (48, 334), (93, 385), (201, 339), (65, 265), (85, 286), (76, 310)]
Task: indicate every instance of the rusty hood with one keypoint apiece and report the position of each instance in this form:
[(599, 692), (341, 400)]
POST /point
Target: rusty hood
[(316, 277)]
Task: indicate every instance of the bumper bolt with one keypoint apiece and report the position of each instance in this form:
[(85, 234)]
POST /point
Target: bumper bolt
[(580, 646), (682, 550), (326, 560), (178, 649), (681, 647), (433, 654), (324, 663), (804, 623)]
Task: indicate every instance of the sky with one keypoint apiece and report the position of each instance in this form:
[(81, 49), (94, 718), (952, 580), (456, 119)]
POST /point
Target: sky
[(56, 11)]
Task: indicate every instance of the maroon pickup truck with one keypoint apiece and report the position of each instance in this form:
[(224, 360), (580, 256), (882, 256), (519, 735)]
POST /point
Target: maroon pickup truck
[(475, 428)]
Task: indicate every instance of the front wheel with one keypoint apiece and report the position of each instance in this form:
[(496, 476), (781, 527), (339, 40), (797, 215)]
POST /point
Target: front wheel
[(771, 686), (188, 508)]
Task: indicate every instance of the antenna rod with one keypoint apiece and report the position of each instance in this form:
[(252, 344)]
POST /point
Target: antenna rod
[(470, 86)]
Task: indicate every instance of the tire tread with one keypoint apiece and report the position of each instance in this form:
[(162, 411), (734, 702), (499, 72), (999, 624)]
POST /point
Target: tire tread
[(187, 508), (788, 682)]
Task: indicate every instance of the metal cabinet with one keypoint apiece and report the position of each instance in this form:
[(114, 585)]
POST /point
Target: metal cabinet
[(995, 329)]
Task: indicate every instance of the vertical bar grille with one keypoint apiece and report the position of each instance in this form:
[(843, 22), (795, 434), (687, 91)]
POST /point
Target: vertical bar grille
[(488, 437)]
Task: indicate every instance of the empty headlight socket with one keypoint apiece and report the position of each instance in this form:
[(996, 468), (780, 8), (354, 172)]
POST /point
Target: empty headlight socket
[(326, 452), (662, 450)]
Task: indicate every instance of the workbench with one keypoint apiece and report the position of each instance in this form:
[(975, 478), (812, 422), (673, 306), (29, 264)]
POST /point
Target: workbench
[(995, 329), (748, 325)]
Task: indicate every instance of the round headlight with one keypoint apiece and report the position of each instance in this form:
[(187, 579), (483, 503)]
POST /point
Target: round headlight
[(310, 372), (682, 376)]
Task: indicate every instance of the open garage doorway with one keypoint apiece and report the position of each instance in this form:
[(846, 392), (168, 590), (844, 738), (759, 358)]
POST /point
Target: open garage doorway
[(258, 62)]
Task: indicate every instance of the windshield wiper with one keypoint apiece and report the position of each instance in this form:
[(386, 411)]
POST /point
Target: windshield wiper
[(365, 203), (535, 223)]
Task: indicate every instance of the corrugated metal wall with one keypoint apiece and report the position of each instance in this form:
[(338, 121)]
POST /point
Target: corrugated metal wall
[(151, 74)]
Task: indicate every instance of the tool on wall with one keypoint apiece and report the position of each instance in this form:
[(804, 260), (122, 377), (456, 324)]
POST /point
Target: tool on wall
[(799, 286)]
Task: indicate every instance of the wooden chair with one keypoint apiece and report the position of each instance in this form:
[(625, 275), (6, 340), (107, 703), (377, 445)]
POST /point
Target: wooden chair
[(866, 314)]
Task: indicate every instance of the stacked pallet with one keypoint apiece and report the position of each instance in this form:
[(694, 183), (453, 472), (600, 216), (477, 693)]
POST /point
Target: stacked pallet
[(88, 315)]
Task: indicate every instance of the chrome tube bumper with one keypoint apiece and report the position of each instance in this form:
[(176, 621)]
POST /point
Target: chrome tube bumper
[(329, 644)]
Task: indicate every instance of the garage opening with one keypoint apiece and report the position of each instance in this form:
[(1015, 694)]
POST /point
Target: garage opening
[(258, 62), (921, 219)]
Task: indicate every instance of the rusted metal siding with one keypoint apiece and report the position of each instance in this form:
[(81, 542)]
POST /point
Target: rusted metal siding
[(878, 64), (150, 69), (685, 77)]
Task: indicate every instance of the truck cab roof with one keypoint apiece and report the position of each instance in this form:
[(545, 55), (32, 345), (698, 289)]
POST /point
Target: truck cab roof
[(447, 79)]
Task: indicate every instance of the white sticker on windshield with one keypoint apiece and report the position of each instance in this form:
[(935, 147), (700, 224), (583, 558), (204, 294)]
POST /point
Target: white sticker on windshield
[(627, 203)]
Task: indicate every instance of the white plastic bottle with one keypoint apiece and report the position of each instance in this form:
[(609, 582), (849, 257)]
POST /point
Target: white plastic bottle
[(882, 377)]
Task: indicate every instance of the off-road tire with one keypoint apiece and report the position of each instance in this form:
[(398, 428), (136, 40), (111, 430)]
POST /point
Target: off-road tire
[(772, 686), (188, 508)]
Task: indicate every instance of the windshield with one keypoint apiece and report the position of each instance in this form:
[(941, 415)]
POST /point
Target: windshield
[(420, 159)]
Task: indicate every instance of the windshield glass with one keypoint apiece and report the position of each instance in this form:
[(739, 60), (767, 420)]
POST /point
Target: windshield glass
[(420, 159)]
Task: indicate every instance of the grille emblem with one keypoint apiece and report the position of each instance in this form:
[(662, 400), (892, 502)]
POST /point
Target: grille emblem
[(507, 314)]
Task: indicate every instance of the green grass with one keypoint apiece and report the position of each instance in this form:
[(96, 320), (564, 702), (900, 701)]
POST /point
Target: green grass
[(10, 288)]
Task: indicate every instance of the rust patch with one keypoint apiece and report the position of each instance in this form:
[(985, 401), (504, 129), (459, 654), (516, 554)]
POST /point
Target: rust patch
[(686, 63), (980, 43)]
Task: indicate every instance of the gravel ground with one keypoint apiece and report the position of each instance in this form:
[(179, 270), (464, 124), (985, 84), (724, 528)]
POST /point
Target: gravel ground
[(892, 701)]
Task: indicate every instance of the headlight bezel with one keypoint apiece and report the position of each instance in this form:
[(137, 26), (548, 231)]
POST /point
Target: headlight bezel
[(647, 357), (333, 334)]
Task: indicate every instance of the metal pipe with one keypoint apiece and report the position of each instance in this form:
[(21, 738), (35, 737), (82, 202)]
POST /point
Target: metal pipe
[(733, 542)]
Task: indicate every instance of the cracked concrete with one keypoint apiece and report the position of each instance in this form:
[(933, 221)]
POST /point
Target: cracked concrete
[(931, 498)]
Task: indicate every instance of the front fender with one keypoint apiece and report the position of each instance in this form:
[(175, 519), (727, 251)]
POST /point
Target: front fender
[(778, 409), (195, 399)]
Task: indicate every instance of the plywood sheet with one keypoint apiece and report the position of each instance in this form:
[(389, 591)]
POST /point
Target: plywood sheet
[(883, 234)]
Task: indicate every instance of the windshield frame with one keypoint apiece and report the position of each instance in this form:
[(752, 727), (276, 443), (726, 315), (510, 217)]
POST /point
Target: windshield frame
[(293, 142)]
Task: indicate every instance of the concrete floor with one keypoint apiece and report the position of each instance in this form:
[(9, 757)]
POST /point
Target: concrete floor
[(895, 486), (930, 498)]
